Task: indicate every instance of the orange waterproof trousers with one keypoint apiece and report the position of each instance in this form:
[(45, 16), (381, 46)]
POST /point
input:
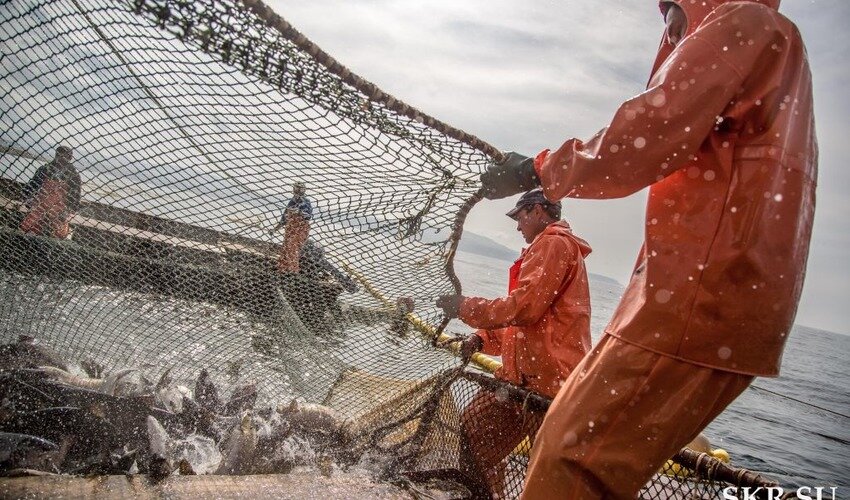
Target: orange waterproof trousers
[(47, 215), (619, 416), (294, 235), (492, 428)]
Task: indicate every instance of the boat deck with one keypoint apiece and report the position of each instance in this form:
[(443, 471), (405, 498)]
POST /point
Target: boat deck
[(122, 249)]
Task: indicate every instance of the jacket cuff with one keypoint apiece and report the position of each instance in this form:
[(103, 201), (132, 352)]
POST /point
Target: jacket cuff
[(489, 346), (538, 162)]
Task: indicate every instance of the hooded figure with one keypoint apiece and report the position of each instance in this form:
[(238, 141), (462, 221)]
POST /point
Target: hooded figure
[(541, 330), (296, 223), (725, 137)]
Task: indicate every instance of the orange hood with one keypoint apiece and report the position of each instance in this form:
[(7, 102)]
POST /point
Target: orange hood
[(562, 228), (695, 12)]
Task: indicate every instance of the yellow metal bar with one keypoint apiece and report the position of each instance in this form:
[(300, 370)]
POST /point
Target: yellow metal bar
[(484, 362), (140, 487)]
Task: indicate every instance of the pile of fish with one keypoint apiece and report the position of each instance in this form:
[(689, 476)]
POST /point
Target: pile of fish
[(80, 420)]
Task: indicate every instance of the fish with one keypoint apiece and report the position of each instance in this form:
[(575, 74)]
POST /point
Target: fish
[(320, 424), (23, 451), (185, 468), (169, 396), (65, 377), (196, 417), (28, 353), (274, 454), (124, 460), (159, 448), (206, 393), (92, 368), (239, 448), (123, 422), (27, 473), (172, 398), (165, 380), (127, 382), (243, 398)]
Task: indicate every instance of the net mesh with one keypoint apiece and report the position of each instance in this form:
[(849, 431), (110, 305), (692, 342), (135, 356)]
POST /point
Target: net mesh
[(193, 126)]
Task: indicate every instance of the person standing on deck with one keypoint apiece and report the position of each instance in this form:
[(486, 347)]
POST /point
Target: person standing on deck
[(541, 330), (296, 223), (52, 196), (724, 134)]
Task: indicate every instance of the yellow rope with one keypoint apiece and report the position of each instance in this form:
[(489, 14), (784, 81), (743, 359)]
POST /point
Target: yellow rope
[(484, 362), (491, 365)]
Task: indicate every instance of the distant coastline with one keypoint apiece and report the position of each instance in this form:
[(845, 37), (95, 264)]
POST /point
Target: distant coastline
[(477, 244), (481, 245)]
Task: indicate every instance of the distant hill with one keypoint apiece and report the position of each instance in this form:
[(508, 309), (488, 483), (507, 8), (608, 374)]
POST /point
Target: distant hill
[(481, 245), (606, 279)]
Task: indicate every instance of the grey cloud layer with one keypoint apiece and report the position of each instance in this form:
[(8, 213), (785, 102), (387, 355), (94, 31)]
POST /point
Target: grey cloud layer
[(528, 75)]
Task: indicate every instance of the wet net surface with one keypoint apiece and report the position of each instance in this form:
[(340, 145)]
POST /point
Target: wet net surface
[(255, 225)]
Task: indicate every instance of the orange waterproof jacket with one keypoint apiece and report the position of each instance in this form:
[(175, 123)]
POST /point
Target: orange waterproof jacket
[(725, 135), (542, 328)]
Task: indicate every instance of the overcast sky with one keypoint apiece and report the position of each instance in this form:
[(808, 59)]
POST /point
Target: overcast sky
[(526, 76)]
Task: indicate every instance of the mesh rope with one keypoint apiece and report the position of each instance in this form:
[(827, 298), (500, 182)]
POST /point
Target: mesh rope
[(190, 123)]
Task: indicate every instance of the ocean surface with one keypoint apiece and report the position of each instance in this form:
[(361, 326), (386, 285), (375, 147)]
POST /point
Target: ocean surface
[(790, 440)]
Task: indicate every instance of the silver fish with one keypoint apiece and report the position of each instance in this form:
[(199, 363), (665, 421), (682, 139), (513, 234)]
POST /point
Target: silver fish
[(127, 382), (243, 398), (311, 416), (206, 393), (239, 448), (318, 423), (169, 396), (69, 378), (159, 444)]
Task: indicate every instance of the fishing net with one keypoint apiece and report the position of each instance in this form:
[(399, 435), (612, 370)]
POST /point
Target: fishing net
[(195, 127)]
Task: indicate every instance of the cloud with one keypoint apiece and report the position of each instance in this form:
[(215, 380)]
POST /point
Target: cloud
[(528, 75)]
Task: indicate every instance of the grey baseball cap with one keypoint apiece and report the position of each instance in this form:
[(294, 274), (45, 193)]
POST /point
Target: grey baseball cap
[(533, 197)]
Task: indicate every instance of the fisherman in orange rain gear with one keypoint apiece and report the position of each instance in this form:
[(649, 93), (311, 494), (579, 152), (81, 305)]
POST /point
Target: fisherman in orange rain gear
[(725, 136), (296, 223), (541, 330), (52, 196)]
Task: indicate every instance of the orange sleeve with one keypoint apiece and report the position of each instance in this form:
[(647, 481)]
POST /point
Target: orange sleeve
[(654, 134), (544, 268)]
